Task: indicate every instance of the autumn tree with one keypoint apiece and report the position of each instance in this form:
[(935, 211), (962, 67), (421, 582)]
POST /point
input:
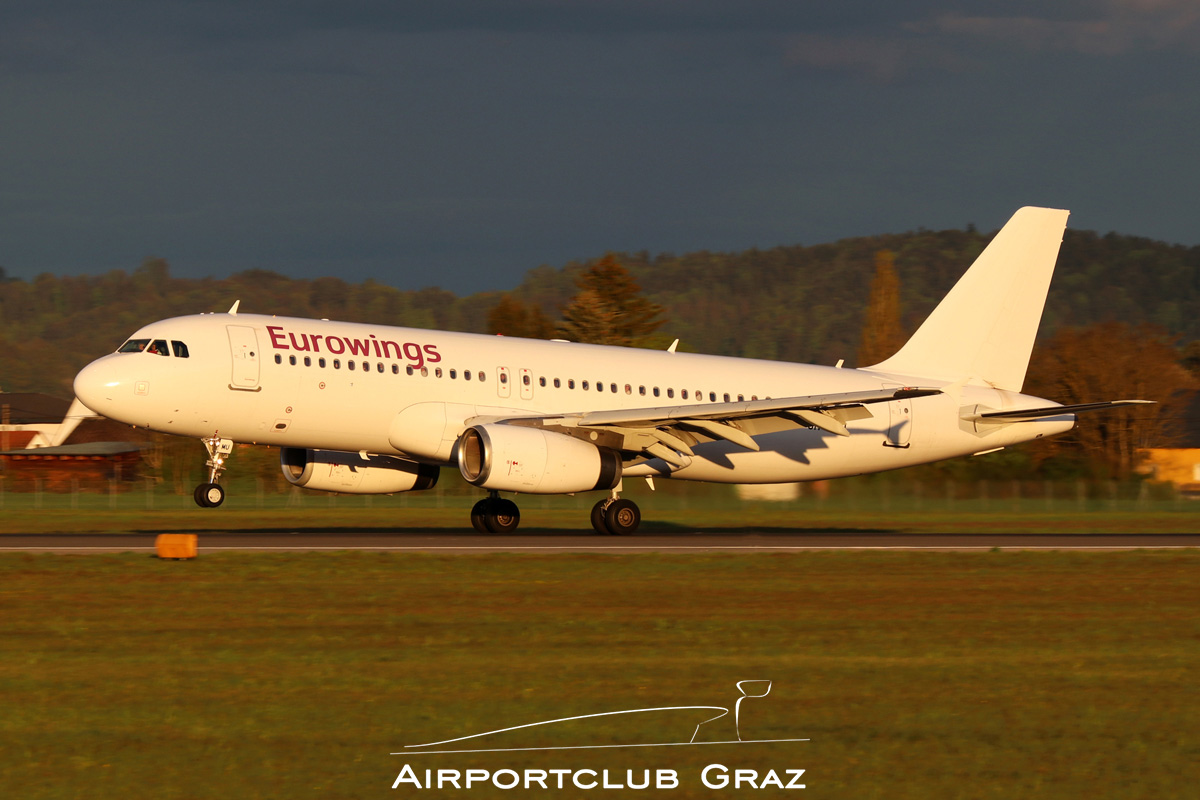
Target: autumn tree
[(511, 317), (1112, 361), (609, 308), (882, 335)]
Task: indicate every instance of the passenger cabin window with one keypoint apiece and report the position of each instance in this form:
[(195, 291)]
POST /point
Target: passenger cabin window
[(278, 358), (179, 349)]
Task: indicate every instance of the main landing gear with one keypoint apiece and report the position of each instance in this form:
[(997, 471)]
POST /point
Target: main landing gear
[(611, 516), (494, 514), (211, 494)]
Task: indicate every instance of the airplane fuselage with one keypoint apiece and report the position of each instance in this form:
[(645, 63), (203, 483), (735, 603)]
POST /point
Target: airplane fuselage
[(407, 392)]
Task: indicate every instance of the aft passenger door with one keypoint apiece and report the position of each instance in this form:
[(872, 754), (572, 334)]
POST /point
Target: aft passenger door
[(900, 421), (243, 348)]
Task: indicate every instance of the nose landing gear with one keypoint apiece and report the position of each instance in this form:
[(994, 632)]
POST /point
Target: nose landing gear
[(211, 494)]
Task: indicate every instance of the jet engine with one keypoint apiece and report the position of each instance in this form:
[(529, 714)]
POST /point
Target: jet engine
[(512, 458), (351, 473)]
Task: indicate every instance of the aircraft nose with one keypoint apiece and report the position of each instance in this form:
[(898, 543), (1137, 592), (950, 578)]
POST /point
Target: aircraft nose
[(98, 384)]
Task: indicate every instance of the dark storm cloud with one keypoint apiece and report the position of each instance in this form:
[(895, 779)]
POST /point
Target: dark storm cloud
[(460, 143)]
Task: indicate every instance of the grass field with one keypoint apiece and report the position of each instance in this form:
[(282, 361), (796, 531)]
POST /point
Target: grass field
[(296, 675), (865, 507)]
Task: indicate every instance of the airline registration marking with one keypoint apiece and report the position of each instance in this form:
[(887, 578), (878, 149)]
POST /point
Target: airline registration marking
[(418, 354)]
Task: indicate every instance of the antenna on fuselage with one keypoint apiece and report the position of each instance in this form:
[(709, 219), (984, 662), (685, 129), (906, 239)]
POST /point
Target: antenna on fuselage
[(233, 308)]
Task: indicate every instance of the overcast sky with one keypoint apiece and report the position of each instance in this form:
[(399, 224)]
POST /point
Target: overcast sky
[(460, 143)]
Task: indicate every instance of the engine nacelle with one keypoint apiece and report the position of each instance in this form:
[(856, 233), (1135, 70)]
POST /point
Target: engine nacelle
[(350, 473), (512, 458)]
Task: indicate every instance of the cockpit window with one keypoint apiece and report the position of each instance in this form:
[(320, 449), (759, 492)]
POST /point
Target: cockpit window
[(179, 349), (156, 346)]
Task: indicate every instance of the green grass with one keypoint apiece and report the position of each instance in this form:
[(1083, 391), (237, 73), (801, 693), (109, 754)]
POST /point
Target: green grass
[(295, 675), (535, 519), (674, 508)]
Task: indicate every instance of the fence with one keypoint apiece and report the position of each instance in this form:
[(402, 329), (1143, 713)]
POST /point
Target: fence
[(867, 494)]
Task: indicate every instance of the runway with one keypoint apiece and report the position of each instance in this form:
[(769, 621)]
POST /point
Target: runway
[(547, 542)]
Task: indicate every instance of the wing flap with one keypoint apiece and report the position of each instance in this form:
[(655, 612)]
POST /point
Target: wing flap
[(723, 412), (668, 433)]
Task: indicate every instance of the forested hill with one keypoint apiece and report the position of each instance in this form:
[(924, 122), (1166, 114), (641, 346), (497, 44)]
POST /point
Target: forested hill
[(791, 303), (807, 303)]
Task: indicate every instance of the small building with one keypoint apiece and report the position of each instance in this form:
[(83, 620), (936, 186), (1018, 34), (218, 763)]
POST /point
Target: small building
[(30, 419), (57, 445), (67, 468), (1178, 464)]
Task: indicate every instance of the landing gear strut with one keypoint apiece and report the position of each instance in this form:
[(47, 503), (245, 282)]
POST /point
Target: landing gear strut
[(211, 494), (494, 514), (613, 516)]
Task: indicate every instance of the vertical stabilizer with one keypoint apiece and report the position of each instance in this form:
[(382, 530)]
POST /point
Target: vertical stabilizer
[(983, 330)]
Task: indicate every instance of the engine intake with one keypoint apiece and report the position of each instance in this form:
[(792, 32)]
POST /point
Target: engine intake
[(512, 458), (350, 473)]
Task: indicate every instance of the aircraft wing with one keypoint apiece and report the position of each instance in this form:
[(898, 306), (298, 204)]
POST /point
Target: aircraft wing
[(664, 432)]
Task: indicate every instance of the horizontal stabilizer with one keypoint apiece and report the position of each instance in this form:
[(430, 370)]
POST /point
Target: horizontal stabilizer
[(1024, 414)]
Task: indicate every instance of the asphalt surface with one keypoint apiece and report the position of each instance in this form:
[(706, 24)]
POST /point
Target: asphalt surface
[(535, 541)]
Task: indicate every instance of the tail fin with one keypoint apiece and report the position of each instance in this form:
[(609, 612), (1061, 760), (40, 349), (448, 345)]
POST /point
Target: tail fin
[(983, 330)]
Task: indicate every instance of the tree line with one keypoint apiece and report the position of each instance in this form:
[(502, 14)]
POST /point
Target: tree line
[(1120, 298)]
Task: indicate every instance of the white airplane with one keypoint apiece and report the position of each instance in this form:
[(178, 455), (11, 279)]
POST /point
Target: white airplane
[(374, 409)]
